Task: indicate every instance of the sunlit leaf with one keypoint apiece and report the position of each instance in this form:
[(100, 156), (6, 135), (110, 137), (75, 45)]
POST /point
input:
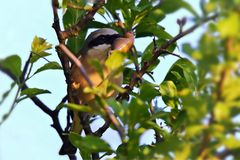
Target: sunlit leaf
[(40, 45), (194, 130), (231, 142), (115, 60), (232, 21), (221, 111), (182, 74), (80, 108), (168, 88)]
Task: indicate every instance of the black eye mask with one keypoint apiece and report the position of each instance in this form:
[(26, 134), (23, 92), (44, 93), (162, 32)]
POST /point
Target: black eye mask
[(103, 39)]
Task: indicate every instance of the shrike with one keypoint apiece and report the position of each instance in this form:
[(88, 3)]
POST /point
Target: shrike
[(98, 45)]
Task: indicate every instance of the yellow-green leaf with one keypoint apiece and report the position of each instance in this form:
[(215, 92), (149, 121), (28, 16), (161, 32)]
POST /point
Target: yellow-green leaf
[(115, 60), (230, 26), (39, 45)]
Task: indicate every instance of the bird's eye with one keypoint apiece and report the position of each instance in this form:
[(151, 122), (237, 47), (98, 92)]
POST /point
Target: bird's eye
[(102, 38)]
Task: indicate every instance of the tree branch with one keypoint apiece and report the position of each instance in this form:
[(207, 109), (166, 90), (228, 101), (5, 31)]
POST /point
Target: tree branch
[(102, 129), (75, 29), (162, 49)]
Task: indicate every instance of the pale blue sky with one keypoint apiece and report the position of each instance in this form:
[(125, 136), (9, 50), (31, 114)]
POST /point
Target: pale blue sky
[(27, 133)]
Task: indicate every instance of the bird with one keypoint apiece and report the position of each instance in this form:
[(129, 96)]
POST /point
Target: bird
[(97, 46)]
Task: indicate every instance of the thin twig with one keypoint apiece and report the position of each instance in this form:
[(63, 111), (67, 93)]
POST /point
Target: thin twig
[(75, 61), (114, 121), (102, 129), (56, 24)]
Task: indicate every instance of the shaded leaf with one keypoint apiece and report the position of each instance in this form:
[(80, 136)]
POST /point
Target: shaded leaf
[(37, 56), (5, 94), (182, 74), (48, 66), (127, 73), (89, 143), (148, 92), (76, 43), (151, 28), (148, 53), (118, 109), (173, 5), (71, 17), (138, 111), (12, 66), (30, 92)]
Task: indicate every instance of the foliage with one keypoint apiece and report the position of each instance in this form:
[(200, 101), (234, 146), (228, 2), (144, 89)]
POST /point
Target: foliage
[(200, 118)]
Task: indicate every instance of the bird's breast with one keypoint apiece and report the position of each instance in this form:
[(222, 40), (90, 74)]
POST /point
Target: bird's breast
[(78, 81)]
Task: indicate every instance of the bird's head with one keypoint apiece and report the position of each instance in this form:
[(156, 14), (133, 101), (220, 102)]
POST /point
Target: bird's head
[(106, 39)]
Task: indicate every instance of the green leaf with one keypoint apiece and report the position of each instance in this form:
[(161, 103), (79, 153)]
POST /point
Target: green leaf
[(148, 92), (138, 111), (89, 143), (80, 108), (221, 111), (120, 109), (151, 28), (148, 53), (12, 66), (156, 14), (231, 142), (168, 91), (30, 92), (115, 60), (36, 56), (168, 88), (40, 45), (173, 5), (113, 5), (76, 43), (127, 73), (182, 74), (170, 143), (48, 66), (5, 94), (231, 21), (96, 24), (231, 90), (194, 130), (70, 18)]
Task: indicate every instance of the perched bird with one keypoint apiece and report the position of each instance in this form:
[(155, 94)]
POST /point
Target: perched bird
[(98, 46)]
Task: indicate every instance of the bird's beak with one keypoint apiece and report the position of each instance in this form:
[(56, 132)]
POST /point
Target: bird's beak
[(124, 44)]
